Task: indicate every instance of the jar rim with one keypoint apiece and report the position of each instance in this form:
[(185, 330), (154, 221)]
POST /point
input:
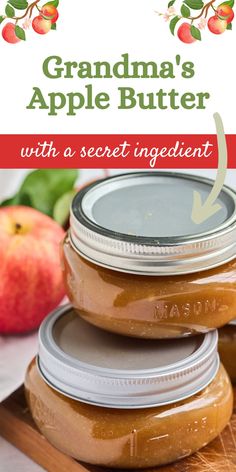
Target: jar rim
[(124, 388), (232, 322), (149, 255)]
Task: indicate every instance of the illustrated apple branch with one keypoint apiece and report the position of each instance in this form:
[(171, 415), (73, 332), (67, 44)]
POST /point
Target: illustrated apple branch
[(42, 23), (188, 32)]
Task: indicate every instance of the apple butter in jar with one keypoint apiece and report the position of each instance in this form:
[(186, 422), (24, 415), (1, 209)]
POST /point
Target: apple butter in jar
[(227, 348), (119, 402), (139, 260)]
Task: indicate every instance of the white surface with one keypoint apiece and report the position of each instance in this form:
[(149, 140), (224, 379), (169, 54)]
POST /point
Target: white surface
[(15, 355), (13, 460), (103, 31)]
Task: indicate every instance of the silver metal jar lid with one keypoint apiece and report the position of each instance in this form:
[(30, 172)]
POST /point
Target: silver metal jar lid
[(104, 369), (233, 322), (141, 223)]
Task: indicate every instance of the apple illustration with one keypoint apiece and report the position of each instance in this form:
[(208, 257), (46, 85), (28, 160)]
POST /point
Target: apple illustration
[(31, 282), (51, 12), (225, 11), (8, 33), (184, 33), (216, 25), (41, 25)]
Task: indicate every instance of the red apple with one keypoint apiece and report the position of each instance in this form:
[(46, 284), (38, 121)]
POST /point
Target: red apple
[(40, 25), (216, 25), (8, 33), (31, 282), (184, 33), (50, 12), (226, 12)]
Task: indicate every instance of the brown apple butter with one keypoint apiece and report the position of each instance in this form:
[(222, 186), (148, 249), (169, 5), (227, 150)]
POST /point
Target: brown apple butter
[(125, 403), (135, 263), (227, 349), (150, 307)]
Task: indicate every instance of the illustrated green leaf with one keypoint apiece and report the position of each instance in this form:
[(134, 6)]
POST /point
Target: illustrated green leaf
[(195, 32), (229, 27), (185, 11), (173, 24), (54, 26), (10, 12), (19, 4), (171, 3), (229, 2), (61, 210), (20, 33), (2, 18), (55, 3), (194, 4)]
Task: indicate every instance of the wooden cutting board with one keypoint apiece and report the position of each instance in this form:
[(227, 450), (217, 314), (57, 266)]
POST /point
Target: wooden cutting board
[(17, 427)]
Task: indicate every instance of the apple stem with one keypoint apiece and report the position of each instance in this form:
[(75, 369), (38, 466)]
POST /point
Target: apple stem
[(29, 9), (205, 9), (17, 228)]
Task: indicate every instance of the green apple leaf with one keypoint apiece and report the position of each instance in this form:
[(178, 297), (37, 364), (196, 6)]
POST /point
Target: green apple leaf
[(195, 32), (20, 33), (42, 188), (229, 2), (45, 186), (185, 11), (171, 3), (54, 26), (2, 18), (173, 24), (55, 3), (10, 12), (229, 27), (19, 4), (18, 199), (194, 4), (61, 210)]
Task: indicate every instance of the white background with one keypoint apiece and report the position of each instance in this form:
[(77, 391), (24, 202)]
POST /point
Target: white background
[(91, 30), (102, 30)]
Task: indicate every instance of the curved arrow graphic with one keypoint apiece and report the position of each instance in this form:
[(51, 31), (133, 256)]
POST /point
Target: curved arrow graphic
[(203, 210)]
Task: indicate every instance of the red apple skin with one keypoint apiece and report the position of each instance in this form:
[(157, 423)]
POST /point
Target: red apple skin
[(51, 12), (184, 34), (8, 33), (40, 25), (31, 282), (227, 11), (216, 25)]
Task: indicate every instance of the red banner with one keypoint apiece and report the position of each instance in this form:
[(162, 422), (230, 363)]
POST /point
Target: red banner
[(113, 151)]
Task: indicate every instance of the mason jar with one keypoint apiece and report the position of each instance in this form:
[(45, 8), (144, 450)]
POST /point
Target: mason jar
[(137, 260), (227, 348), (113, 401)]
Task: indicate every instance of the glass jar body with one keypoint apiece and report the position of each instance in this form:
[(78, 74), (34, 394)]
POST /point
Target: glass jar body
[(227, 349), (129, 438), (150, 306)]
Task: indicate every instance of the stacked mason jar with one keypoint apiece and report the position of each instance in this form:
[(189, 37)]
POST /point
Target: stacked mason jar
[(128, 375)]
